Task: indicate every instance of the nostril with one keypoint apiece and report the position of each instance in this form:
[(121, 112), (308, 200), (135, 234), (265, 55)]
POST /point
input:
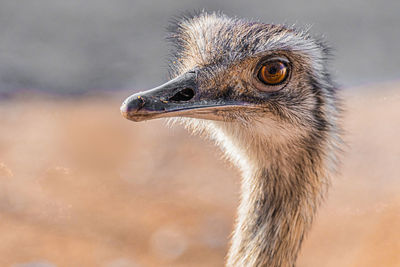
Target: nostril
[(183, 95)]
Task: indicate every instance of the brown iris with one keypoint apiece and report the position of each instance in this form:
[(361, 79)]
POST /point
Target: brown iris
[(273, 73)]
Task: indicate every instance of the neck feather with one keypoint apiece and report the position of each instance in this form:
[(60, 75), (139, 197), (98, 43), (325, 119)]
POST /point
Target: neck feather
[(282, 185)]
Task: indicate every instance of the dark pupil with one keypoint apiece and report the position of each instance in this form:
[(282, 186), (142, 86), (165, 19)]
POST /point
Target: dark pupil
[(274, 69)]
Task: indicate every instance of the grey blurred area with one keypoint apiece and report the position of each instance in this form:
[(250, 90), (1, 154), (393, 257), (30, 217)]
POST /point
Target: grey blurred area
[(76, 46)]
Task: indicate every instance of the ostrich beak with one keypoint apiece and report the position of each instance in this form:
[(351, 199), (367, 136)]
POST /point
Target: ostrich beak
[(179, 97)]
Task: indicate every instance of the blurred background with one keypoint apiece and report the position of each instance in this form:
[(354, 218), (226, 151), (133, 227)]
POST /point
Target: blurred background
[(81, 186)]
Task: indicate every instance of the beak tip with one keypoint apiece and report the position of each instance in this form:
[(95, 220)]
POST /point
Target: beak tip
[(124, 110), (129, 111)]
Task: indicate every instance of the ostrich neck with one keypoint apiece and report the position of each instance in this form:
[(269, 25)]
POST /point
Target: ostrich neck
[(281, 188)]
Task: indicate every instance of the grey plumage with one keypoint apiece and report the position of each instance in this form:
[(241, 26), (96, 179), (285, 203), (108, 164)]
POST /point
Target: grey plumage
[(283, 136)]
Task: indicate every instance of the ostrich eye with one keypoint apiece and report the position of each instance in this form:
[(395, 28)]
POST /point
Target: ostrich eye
[(273, 73)]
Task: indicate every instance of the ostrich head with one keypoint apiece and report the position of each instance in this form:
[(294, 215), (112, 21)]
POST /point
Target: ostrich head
[(264, 94), (248, 78)]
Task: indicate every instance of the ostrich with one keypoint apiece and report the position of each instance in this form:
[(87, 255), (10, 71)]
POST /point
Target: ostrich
[(264, 94)]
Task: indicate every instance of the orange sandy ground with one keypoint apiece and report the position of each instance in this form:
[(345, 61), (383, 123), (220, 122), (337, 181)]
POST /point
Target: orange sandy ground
[(81, 186)]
